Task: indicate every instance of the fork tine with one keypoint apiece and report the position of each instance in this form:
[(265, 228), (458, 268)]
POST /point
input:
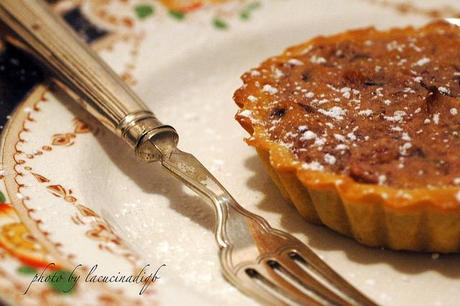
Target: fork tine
[(308, 260), (262, 288), (297, 295), (305, 280)]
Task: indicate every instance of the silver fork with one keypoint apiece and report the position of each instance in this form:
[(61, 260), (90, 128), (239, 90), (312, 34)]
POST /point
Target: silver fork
[(267, 264)]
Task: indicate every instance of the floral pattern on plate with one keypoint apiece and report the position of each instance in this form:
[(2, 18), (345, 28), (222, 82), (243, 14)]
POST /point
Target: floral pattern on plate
[(36, 190)]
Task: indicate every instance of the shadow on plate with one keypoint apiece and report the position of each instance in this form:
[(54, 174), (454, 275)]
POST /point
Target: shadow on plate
[(150, 177), (322, 238)]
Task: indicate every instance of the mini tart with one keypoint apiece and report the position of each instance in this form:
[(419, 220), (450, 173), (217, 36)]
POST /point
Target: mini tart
[(360, 131)]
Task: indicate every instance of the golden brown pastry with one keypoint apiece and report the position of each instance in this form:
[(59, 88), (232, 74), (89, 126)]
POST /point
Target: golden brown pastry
[(360, 131)]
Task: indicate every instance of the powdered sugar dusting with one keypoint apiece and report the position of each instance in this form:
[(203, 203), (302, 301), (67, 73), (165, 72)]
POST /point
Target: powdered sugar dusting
[(317, 59), (422, 61), (330, 159), (269, 89), (295, 62), (315, 166), (308, 135), (335, 112)]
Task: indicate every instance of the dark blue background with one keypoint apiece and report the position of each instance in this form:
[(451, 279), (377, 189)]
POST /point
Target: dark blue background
[(18, 72)]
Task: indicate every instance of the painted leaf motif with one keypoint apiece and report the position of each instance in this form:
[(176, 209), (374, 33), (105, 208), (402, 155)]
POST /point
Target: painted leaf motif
[(64, 282), (220, 24), (40, 178), (66, 139), (57, 190), (177, 15), (80, 126), (27, 270), (144, 10), (85, 211)]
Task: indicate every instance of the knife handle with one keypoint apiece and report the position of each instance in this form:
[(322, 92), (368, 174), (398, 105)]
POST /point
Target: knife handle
[(78, 68)]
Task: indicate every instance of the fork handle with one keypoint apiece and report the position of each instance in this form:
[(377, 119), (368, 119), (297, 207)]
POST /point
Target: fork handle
[(78, 68)]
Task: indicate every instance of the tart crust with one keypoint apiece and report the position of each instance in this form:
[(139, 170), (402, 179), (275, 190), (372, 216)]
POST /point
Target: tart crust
[(418, 219)]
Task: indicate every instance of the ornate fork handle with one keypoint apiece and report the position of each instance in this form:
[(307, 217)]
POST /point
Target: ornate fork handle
[(243, 237), (38, 31), (236, 228), (229, 213)]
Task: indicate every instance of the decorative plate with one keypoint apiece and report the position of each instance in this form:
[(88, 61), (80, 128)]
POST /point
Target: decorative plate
[(84, 223)]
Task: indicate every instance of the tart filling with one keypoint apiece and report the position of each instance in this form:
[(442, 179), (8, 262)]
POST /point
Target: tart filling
[(372, 116)]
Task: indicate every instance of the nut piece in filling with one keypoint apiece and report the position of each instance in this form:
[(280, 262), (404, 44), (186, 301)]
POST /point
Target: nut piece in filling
[(366, 117)]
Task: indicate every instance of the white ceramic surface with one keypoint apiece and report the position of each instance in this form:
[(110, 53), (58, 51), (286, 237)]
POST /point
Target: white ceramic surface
[(187, 73)]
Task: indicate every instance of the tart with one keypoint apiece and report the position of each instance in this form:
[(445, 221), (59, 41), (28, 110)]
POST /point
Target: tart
[(361, 132)]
